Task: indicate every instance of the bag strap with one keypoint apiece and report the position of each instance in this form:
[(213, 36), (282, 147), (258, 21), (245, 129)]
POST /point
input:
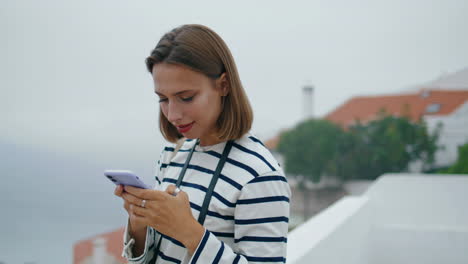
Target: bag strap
[(209, 192), (214, 179), (179, 144), (187, 162)]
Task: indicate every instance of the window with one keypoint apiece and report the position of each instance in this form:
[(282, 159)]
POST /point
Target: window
[(425, 93), (433, 108)]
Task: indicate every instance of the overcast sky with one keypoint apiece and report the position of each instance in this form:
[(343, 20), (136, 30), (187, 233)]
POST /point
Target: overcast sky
[(73, 81), (72, 72)]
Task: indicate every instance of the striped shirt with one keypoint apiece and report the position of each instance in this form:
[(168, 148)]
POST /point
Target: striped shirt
[(247, 219)]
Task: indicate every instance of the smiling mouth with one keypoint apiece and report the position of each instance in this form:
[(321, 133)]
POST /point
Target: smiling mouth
[(185, 128)]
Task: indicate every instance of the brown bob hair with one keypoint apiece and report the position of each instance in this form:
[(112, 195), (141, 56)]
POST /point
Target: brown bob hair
[(201, 49)]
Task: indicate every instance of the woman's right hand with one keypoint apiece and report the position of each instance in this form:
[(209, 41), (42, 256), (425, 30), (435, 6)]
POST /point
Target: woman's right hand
[(135, 224)]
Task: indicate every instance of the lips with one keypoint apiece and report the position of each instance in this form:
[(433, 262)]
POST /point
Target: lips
[(185, 128)]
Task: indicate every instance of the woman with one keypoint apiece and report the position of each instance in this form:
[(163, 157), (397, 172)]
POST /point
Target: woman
[(242, 216)]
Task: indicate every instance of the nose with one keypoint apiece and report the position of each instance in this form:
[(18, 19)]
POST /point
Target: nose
[(174, 113)]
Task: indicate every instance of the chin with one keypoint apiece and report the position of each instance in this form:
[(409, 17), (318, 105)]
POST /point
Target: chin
[(190, 135)]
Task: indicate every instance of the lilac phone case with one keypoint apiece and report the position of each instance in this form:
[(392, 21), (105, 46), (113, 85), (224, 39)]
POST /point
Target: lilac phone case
[(125, 177)]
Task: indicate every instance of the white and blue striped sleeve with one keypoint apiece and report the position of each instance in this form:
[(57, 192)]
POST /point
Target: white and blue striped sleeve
[(149, 245), (261, 225)]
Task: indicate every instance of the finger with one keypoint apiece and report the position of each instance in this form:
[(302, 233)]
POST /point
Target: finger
[(140, 211), (131, 199), (118, 190), (138, 219), (171, 189), (145, 194), (134, 190), (127, 207), (183, 195)]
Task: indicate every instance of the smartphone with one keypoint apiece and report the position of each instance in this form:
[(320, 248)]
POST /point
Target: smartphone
[(125, 177)]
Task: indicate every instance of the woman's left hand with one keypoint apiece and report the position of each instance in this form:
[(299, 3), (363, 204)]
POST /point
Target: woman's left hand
[(170, 215)]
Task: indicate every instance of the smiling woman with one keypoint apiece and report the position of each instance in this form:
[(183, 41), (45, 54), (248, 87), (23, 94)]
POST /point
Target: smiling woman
[(206, 113), (184, 98), (204, 61)]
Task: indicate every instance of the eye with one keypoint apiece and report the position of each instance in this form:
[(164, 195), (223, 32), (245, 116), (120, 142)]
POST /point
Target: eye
[(187, 99), (161, 100)]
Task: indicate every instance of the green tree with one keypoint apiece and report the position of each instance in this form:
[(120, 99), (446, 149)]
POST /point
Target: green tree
[(310, 147), (461, 165), (389, 144), (309, 150)]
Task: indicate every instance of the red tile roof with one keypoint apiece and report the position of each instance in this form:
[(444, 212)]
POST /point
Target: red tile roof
[(412, 105), (273, 142), (84, 248)]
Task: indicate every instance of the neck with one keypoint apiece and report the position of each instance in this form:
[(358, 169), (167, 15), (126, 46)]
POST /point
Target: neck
[(208, 141)]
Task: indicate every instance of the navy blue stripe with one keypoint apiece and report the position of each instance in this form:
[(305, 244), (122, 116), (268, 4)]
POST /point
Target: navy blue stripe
[(156, 178), (269, 178), (236, 260), (211, 213), (173, 164), (224, 217), (243, 166), (187, 184), (167, 258), (194, 167), (172, 240), (235, 163), (261, 239), (255, 154), (261, 220), (200, 247), (266, 259), (256, 140), (223, 200), (198, 168), (214, 153), (231, 181), (170, 180), (264, 200), (220, 253), (195, 206), (202, 188), (223, 234)]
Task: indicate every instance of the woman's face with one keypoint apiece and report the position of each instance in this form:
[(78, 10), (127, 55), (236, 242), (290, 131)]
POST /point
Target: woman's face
[(189, 100)]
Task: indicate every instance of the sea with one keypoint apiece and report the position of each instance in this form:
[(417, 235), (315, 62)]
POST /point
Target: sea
[(51, 200)]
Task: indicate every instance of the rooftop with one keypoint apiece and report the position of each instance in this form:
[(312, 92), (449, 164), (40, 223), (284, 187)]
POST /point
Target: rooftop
[(401, 218), (415, 106)]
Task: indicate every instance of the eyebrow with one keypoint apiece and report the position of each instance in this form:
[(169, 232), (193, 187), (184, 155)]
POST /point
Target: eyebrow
[(180, 92)]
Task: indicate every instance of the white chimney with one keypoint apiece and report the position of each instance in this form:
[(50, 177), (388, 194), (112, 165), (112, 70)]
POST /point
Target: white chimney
[(100, 250), (308, 101)]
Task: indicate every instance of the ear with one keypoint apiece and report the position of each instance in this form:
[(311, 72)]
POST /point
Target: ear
[(222, 84)]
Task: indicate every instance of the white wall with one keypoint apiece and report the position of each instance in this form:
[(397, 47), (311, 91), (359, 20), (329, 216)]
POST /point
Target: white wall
[(400, 219), (321, 238), (428, 245), (454, 133), (419, 219)]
